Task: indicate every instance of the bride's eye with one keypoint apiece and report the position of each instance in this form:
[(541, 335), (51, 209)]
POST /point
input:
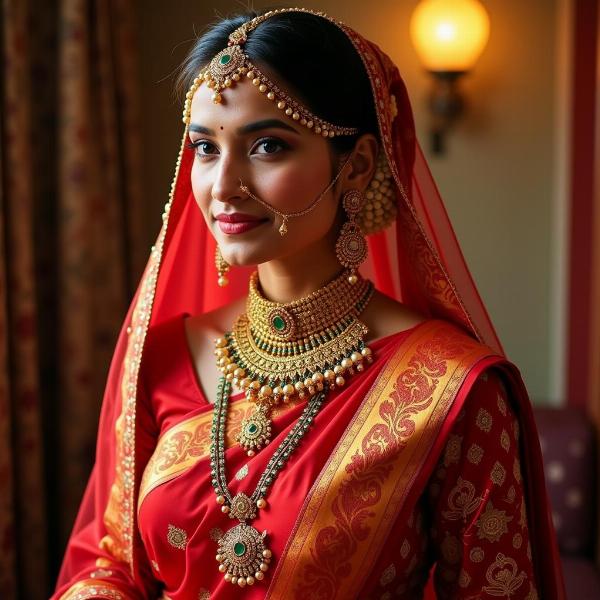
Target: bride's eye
[(269, 146), (203, 147)]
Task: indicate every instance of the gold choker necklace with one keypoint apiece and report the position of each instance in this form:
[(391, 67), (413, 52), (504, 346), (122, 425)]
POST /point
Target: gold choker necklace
[(282, 352)]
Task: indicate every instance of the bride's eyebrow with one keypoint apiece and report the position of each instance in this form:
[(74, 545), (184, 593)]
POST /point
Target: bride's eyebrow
[(249, 128)]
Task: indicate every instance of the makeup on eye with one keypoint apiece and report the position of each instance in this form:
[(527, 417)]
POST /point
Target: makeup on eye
[(275, 144)]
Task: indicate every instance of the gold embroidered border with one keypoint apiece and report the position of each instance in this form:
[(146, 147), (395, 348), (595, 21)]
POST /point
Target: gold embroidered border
[(183, 445), (381, 453), (119, 516), (92, 588)]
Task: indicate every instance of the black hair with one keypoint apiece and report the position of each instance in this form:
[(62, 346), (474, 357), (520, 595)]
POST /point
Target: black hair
[(313, 59)]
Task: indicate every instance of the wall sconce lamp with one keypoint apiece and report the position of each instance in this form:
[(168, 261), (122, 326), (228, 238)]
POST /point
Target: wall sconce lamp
[(449, 36)]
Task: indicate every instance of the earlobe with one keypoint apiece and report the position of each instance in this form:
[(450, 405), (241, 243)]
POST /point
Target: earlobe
[(364, 162)]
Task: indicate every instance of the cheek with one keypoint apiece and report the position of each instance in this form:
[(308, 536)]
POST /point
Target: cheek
[(293, 185), (200, 188)]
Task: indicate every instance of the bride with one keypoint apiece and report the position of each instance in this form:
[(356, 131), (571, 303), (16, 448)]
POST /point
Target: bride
[(326, 412)]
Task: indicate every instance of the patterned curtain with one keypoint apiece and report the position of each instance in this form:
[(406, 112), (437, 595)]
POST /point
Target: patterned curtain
[(71, 251)]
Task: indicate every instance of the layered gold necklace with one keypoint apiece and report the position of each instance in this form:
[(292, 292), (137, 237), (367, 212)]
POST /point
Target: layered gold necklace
[(278, 353)]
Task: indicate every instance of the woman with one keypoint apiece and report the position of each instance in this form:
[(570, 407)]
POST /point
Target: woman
[(347, 438)]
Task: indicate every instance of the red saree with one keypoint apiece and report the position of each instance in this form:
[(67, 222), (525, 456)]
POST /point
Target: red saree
[(430, 457)]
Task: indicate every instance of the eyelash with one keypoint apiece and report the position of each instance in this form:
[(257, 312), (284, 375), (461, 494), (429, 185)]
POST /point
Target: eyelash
[(196, 145)]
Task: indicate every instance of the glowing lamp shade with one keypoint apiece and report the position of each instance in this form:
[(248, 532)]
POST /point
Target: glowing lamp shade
[(449, 35)]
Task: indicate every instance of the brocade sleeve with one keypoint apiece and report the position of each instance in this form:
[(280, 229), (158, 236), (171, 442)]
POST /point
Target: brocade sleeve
[(478, 526)]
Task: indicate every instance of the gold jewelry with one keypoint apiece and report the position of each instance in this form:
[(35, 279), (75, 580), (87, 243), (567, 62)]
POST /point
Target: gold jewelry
[(232, 65), (222, 268), (379, 209), (242, 554), (279, 351), (282, 352), (283, 228), (351, 246)]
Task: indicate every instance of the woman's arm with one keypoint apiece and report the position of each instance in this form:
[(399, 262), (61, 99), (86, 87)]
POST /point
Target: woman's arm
[(479, 528)]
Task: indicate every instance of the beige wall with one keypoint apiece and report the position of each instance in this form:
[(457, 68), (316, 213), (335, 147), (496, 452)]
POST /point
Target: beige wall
[(497, 177)]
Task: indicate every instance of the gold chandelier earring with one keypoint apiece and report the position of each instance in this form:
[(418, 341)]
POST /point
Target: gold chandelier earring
[(351, 246), (222, 268)]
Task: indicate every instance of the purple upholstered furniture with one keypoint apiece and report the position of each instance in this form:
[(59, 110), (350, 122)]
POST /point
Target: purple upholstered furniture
[(569, 448)]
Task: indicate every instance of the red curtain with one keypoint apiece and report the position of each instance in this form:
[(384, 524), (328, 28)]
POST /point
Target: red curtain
[(71, 250)]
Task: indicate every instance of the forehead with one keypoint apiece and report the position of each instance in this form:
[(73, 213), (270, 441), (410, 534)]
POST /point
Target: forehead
[(240, 103)]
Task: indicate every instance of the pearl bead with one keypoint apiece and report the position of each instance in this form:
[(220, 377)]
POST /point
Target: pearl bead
[(220, 499), (250, 580), (233, 580), (267, 553), (266, 391), (346, 363), (356, 357), (242, 582), (264, 567), (299, 386), (261, 503), (262, 88), (288, 389), (338, 370), (219, 557), (250, 453), (340, 381), (222, 568), (281, 104), (259, 575), (225, 508), (271, 96), (227, 577)]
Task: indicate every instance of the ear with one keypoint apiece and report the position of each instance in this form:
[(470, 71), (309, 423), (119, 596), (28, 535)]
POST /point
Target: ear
[(362, 163)]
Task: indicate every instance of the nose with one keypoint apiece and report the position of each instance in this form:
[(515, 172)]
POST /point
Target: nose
[(226, 185)]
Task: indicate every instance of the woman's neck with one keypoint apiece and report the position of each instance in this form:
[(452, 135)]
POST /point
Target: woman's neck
[(297, 276)]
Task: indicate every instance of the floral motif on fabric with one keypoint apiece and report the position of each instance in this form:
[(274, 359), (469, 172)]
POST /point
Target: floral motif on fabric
[(504, 577), (492, 523)]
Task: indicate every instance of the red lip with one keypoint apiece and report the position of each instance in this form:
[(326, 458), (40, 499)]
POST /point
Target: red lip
[(236, 218), (235, 223)]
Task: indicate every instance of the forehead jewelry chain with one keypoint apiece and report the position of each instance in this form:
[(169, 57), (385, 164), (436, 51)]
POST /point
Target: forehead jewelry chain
[(283, 228), (231, 65)]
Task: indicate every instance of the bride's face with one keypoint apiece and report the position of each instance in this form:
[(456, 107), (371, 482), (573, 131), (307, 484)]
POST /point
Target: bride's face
[(248, 138)]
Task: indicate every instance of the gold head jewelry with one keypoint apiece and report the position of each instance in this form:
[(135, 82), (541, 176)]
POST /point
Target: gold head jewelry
[(283, 228), (231, 65)]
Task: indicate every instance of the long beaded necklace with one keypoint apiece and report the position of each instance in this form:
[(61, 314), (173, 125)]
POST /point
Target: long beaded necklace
[(314, 362)]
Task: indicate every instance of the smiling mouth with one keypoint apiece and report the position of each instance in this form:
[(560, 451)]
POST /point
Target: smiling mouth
[(236, 223)]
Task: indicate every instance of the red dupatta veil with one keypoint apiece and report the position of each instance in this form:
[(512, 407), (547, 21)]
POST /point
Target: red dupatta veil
[(418, 261)]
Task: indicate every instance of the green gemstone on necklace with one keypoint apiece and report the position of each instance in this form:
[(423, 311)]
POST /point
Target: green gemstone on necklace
[(252, 428), (225, 59), (239, 549), (278, 323)]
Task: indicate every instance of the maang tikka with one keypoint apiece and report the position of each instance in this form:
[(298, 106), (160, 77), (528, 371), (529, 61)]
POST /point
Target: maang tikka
[(351, 246)]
